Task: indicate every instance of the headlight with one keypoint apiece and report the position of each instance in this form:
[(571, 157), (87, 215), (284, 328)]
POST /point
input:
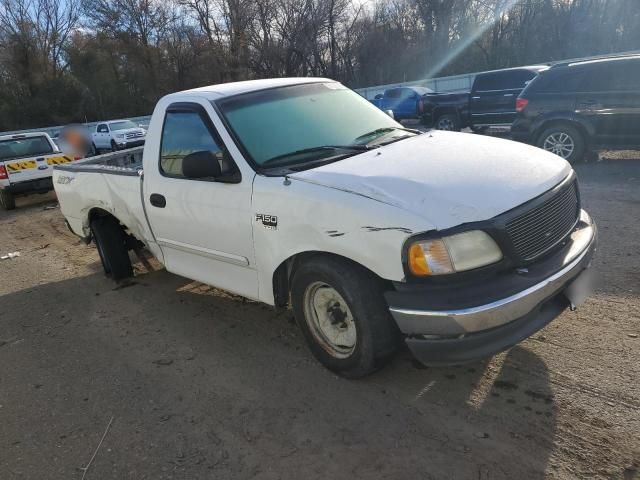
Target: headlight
[(120, 135), (456, 253)]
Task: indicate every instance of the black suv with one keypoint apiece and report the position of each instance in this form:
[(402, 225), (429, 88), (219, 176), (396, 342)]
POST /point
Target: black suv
[(574, 108)]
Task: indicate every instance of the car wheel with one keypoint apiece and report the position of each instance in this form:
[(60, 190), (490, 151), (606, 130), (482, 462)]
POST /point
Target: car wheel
[(114, 146), (7, 200), (342, 313), (111, 243), (448, 122), (94, 150), (563, 140)]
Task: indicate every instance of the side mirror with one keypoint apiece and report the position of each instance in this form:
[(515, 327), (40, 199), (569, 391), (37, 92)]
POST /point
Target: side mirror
[(378, 96), (390, 113), (200, 165)]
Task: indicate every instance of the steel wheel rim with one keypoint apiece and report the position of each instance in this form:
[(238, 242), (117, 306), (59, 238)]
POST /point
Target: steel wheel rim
[(330, 320), (445, 124), (560, 143)]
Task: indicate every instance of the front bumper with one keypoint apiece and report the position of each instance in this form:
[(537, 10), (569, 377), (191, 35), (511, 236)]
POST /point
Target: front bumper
[(122, 145), (449, 334)]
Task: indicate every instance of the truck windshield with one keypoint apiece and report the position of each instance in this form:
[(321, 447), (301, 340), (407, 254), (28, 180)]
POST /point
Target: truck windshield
[(24, 147), (304, 123), (125, 124)]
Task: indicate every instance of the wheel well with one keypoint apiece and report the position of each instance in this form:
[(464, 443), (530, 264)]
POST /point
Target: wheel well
[(283, 275), (132, 241), (571, 123)]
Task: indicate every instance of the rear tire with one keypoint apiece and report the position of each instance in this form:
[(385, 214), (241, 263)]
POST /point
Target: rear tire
[(7, 200), (342, 313), (448, 122), (111, 242), (565, 141)]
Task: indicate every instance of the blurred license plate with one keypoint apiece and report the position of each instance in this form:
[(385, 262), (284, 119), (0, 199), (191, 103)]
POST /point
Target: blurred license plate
[(579, 289)]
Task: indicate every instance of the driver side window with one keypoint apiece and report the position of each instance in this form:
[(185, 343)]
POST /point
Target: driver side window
[(185, 133)]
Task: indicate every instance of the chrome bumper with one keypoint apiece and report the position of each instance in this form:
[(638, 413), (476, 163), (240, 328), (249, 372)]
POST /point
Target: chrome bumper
[(447, 323)]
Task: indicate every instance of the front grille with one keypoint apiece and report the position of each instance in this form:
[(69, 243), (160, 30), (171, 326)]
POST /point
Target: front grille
[(539, 229), (133, 135)]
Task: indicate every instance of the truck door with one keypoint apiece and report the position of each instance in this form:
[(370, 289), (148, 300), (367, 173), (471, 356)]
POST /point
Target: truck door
[(493, 97), (407, 106), (203, 226), (102, 138)]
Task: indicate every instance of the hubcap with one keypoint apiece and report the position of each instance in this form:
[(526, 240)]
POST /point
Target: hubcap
[(559, 143), (330, 320), (445, 124)]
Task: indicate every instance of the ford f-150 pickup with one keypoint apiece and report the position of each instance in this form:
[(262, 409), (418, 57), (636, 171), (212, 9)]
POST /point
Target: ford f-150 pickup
[(300, 192)]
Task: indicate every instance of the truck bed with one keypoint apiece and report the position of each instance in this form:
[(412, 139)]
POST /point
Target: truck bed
[(125, 162)]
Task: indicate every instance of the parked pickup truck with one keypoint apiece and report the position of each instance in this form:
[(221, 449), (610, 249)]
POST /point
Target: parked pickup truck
[(404, 102), (26, 165), (300, 192), (491, 102), (118, 135)]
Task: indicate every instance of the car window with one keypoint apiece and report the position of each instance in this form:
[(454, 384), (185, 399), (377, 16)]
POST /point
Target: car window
[(102, 128), (186, 132), (395, 93), (507, 80), (24, 147), (559, 81), (122, 125), (616, 76)]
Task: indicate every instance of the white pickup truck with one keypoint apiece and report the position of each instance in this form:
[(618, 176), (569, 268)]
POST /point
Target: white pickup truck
[(299, 191), (118, 135), (26, 165)]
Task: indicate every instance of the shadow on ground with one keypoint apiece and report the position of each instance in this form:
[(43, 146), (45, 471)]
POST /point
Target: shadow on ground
[(205, 385)]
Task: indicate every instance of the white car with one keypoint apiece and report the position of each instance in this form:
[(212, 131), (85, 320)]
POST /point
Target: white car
[(26, 165), (299, 191), (118, 135)]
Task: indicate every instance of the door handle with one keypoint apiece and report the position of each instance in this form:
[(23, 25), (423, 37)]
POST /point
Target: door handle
[(157, 200)]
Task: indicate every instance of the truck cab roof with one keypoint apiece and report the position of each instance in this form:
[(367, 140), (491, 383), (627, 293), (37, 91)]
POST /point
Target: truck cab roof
[(215, 92)]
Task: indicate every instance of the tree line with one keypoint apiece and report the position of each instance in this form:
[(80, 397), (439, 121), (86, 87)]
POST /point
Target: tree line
[(67, 61)]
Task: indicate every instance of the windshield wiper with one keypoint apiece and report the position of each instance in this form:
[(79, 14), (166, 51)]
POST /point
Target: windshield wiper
[(380, 131), (355, 148)]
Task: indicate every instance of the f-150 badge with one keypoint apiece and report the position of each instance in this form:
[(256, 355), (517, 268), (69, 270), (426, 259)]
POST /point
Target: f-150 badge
[(270, 222)]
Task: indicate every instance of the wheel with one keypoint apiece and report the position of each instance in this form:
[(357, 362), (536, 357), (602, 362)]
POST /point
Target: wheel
[(563, 140), (448, 122), (114, 146), (111, 242), (93, 151), (7, 200), (342, 313)]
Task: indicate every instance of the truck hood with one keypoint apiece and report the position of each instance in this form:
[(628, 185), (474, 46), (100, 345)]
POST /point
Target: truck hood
[(444, 177)]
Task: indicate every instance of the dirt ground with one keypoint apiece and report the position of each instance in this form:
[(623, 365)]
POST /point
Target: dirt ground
[(202, 385)]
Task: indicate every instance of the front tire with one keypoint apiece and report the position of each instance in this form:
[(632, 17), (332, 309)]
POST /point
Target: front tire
[(565, 141), (7, 200), (448, 122), (114, 146), (341, 311), (111, 242)]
